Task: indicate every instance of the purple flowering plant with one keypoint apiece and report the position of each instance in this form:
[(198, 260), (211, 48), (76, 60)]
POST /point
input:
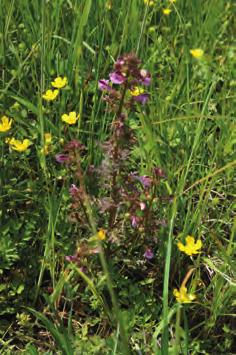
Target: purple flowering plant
[(123, 197)]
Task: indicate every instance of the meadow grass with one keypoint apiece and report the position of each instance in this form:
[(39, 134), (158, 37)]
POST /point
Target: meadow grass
[(118, 302)]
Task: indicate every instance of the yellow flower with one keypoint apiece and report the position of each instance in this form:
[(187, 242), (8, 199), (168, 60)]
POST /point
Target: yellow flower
[(182, 296), (101, 234), (191, 247), (59, 82), (166, 11), (50, 95), (72, 118), (197, 53), (136, 91), (172, 1), (5, 124), (20, 146), (48, 138), (148, 2)]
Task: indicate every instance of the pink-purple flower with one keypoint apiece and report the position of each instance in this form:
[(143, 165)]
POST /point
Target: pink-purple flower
[(145, 77), (62, 158), (117, 78), (73, 190), (134, 221), (145, 180), (103, 85), (148, 254), (142, 98)]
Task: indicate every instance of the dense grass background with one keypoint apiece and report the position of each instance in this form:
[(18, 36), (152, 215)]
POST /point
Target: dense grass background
[(187, 129)]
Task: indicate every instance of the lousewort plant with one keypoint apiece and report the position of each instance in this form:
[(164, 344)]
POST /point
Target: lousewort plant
[(125, 203)]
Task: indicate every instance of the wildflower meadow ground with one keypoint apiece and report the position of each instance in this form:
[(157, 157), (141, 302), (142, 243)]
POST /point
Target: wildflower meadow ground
[(117, 177)]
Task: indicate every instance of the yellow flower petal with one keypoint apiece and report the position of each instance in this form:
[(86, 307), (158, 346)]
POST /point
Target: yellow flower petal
[(70, 118), (191, 248), (50, 95), (18, 145), (166, 12), (101, 234), (5, 124), (197, 53), (182, 295), (59, 82), (136, 91), (181, 246), (198, 244)]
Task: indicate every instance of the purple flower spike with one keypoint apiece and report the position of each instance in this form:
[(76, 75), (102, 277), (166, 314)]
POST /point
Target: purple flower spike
[(73, 190), (143, 98), (62, 158), (117, 78), (103, 85), (148, 254)]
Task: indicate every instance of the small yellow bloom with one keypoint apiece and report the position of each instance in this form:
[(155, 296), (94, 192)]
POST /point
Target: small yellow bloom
[(50, 95), (20, 146), (48, 138), (166, 11), (149, 2), (191, 247), (136, 91), (5, 124), (101, 234), (182, 296), (172, 1), (59, 82), (72, 118), (197, 53)]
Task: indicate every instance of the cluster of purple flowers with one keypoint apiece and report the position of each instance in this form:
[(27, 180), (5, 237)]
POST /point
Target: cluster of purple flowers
[(127, 72)]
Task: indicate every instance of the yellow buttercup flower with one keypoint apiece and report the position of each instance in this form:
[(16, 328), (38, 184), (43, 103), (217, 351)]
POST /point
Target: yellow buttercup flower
[(20, 146), (182, 295), (172, 1), (148, 2), (191, 247), (136, 91), (48, 138), (50, 95), (5, 124), (197, 53), (101, 234), (59, 82), (72, 118), (166, 11)]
